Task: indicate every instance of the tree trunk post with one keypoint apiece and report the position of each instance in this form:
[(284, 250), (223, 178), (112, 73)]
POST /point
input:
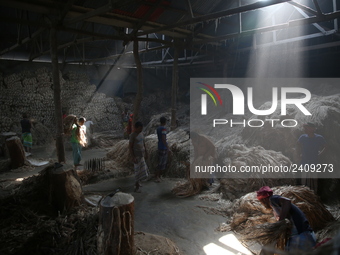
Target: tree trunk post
[(174, 90), (139, 95), (116, 225), (57, 98), (65, 188)]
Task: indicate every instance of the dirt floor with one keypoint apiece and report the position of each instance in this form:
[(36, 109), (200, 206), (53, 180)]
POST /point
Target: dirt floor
[(157, 210)]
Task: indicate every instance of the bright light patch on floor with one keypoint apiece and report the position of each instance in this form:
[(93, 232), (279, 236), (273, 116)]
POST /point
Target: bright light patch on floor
[(231, 241), (19, 179), (213, 249), (228, 245)]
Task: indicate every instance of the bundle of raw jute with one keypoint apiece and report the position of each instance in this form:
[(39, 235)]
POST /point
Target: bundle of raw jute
[(68, 122), (304, 198), (254, 221), (270, 233), (178, 153), (192, 186), (316, 213)]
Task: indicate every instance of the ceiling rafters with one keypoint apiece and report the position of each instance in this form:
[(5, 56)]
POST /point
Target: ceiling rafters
[(298, 22), (317, 6), (101, 10), (304, 8), (108, 18), (23, 41), (215, 15), (169, 8), (320, 28), (138, 18), (142, 21), (190, 9)]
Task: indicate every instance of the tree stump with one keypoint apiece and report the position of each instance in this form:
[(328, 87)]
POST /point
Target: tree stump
[(65, 188), (16, 151), (116, 225)]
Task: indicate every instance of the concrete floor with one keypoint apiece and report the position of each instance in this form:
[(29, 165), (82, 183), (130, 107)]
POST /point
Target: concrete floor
[(157, 210)]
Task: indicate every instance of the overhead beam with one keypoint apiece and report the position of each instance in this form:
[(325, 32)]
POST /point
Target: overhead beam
[(320, 28), (295, 49), (190, 9), (304, 8), (109, 18), (317, 6), (67, 7), (101, 10), (293, 23), (285, 41), (144, 51), (335, 20), (79, 31), (142, 21), (216, 15), (62, 46), (23, 41)]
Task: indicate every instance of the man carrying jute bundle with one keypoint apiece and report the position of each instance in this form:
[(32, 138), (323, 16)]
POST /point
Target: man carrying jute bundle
[(302, 237)]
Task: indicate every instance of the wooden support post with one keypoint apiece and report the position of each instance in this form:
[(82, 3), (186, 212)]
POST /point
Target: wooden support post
[(116, 225), (139, 95), (57, 98), (16, 151), (65, 188), (174, 90)]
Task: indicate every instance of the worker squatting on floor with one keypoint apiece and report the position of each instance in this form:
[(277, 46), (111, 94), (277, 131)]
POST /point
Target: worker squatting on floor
[(302, 236)]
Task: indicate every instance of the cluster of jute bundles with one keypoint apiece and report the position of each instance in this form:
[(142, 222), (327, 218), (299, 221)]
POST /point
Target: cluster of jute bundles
[(104, 112), (29, 84), (239, 155), (325, 110), (43, 75), (255, 222), (179, 146), (177, 157), (11, 79), (77, 76), (32, 92), (325, 113), (154, 123)]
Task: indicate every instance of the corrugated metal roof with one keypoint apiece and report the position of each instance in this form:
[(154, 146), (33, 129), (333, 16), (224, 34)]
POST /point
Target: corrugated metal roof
[(90, 30)]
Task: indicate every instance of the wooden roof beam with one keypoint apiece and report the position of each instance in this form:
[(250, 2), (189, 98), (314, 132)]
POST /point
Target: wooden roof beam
[(215, 15)]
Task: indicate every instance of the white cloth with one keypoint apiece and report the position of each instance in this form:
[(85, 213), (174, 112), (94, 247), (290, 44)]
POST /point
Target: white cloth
[(88, 124), (88, 132)]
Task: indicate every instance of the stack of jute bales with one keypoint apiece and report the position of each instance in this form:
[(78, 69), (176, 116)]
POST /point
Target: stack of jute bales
[(80, 98), (32, 92)]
